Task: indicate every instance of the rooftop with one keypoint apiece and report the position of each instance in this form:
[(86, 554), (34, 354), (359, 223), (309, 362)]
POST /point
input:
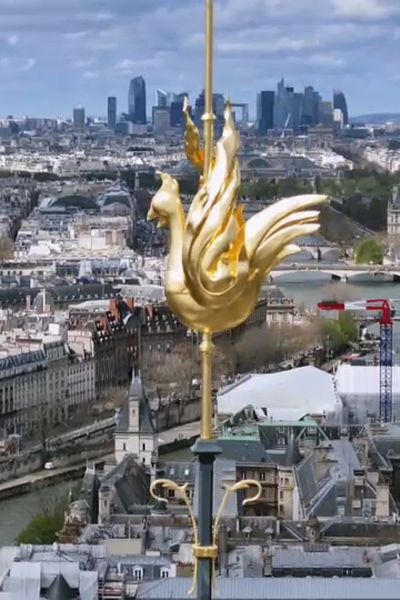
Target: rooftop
[(291, 588)]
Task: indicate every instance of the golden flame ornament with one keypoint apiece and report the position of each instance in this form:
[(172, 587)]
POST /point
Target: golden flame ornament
[(217, 261), (216, 266)]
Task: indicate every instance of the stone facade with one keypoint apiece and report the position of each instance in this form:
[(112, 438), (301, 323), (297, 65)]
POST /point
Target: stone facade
[(111, 338), (42, 387), (393, 213), (23, 391), (81, 389)]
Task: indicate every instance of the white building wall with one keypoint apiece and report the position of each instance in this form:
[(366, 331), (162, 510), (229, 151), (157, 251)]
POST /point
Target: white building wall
[(297, 514), (139, 444), (81, 384)]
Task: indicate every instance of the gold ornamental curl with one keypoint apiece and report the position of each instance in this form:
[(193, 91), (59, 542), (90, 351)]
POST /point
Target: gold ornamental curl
[(210, 552)]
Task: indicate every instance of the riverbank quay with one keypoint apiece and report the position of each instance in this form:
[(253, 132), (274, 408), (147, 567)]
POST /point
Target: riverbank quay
[(44, 478)]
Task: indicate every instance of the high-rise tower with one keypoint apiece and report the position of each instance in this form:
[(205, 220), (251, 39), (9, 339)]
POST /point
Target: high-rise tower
[(282, 102), (137, 101), (339, 101), (177, 116), (265, 111), (112, 112), (79, 118), (162, 98)]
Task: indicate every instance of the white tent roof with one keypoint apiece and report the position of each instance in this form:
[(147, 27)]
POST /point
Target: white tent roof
[(287, 395), (24, 581), (358, 380)]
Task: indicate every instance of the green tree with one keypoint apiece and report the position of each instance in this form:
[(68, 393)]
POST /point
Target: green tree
[(336, 335), (328, 186), (348, 326), (332, 336), (43, 528), (264, 189), (369, 251)]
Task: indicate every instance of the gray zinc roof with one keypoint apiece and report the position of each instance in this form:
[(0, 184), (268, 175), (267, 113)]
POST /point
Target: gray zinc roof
[(325, 556), (243, 450), (60, 590), (290, 588)]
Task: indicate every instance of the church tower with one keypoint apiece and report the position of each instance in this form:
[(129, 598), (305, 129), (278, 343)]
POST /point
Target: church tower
[(135, 433)]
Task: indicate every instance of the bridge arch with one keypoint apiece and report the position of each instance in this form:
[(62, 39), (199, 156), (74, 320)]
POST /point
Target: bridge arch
[(302, 276), (370, 277)]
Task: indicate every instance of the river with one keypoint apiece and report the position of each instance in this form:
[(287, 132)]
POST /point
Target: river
[(15, 513), (309, 294)]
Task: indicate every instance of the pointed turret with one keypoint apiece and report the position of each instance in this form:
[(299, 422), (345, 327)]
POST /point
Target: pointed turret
[(60, 590)]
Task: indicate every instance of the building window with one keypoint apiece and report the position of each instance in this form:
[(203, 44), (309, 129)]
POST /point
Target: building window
[(262, 476), (124, 446), (164, 573), (144, 447), (138, 574), (281, 495)]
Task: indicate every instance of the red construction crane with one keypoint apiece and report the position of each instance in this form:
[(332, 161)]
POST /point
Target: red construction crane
[(384, 307)]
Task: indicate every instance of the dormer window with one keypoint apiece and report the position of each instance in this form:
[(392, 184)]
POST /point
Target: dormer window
[(164, 573)]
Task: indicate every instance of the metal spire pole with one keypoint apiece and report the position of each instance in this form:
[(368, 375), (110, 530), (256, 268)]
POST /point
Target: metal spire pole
[(206, 448), (207, 317), (208, 116)]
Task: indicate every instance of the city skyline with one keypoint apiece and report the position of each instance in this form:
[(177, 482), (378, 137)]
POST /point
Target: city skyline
[(101, 47)]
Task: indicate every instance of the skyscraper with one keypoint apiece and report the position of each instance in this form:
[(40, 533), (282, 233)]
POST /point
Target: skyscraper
[(282, 115), (338, 118), (311, 107), (162, 99), (112, 112), (339, 101), (161, 119), (326, 117), (177, 116), (137, 101), (265, 111), (296, 110), (79, 118)]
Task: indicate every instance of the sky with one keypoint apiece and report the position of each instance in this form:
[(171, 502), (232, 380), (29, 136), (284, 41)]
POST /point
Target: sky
[(57, 54)]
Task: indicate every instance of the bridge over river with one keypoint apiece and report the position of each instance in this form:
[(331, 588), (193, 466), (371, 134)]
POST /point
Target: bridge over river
[(318, 271)]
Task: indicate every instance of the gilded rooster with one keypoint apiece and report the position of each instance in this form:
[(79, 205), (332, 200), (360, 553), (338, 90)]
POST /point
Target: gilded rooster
[(217, 261)]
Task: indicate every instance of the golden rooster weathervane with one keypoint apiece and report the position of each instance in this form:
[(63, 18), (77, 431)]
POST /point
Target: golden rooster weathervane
[(217, 261)]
